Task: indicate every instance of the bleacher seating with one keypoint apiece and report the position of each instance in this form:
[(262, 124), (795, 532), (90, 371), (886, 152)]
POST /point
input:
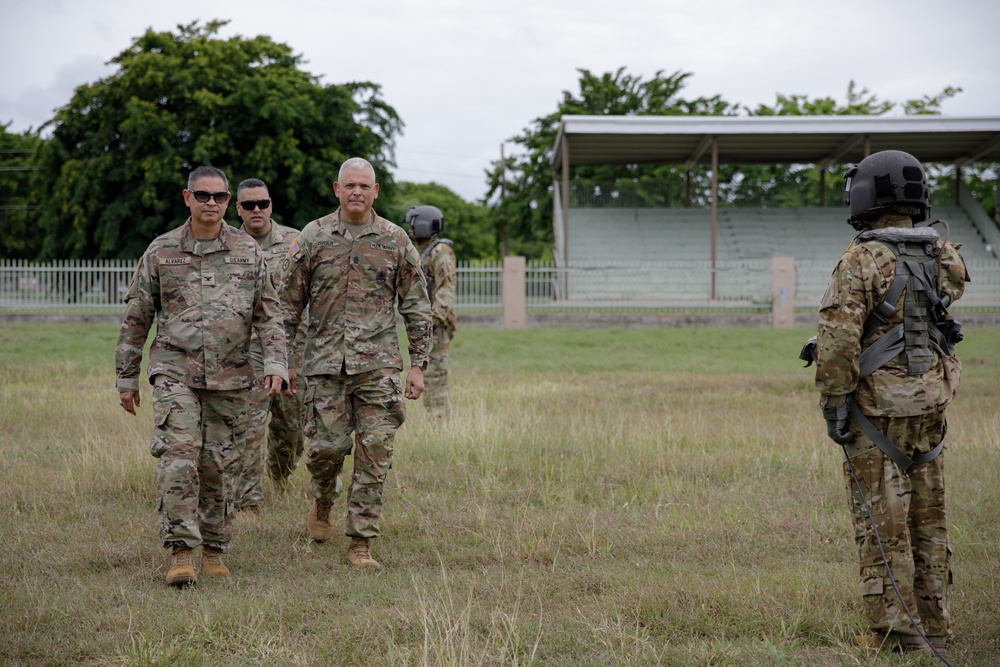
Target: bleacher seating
[(643, 235), (660, 241)]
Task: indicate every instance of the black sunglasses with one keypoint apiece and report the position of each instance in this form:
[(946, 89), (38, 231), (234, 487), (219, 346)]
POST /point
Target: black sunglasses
[(202, 196), (251, 204)]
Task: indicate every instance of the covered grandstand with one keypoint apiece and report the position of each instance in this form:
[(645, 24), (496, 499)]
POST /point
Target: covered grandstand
[(719, 255)]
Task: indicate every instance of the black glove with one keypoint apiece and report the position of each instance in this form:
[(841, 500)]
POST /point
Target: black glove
[(808, 352), (836, 425)]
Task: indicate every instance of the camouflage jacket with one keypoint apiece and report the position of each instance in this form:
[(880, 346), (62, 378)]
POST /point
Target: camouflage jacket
[(351, 288), (206, 298), (860, 280), (275, 245), (441, 270)]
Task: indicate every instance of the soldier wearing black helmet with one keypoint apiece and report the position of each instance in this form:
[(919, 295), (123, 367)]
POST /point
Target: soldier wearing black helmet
[(886, 371), (437, 260)]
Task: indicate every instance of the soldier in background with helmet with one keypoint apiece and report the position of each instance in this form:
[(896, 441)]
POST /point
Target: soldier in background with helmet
[(437, 260), (886, 372), (351, 272), (284, 442), (207, 287)]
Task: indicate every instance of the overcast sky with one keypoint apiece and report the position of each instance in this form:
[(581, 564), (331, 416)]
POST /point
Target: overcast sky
[(468, 75)]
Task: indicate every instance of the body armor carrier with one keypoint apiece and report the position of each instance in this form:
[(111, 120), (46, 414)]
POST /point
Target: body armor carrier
[(917, 270), (424, 256)]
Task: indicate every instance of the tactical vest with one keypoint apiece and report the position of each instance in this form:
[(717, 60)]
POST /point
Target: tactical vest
[(424, 256), (917, 271)]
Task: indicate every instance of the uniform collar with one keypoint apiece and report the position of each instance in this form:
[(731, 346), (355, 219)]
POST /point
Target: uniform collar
[(192, 245)]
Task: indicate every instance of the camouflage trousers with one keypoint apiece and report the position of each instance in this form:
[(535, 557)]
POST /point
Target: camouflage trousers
[(284, 444), (368, 406), (909, 511), (196, 435), (437, 400)]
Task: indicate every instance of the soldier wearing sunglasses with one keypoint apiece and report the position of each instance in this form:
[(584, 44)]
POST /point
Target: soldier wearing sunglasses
[(284, 441), (207, 288)]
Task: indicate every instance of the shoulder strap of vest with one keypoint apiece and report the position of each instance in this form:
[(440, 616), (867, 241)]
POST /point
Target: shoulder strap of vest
[(433, 244)]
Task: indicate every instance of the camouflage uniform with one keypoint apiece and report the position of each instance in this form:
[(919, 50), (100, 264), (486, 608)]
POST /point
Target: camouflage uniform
[(440, 269), (205, 297), (285, 441), (352, 360), (909, 507)]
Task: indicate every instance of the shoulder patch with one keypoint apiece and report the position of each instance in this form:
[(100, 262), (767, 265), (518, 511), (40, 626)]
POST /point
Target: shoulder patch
[(295, 250)]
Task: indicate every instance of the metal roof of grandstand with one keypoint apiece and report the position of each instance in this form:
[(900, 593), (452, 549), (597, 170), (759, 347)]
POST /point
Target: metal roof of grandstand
[(819, 140)]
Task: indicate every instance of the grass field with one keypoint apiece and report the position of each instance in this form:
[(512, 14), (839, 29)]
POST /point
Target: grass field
[(603, 497)]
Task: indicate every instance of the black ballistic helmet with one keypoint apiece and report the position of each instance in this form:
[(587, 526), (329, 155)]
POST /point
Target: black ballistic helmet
[(884, 180), (424, 221)]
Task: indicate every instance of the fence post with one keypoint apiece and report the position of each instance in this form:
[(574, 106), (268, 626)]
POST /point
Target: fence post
[(512, 290), (783, 292)]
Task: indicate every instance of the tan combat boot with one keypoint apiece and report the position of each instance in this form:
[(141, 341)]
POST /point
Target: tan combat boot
[(358, 554), (211, 562), (181, 572), (319, 523)]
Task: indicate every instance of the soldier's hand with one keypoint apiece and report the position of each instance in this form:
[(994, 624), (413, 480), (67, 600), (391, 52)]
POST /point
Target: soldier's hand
[(272, 383), (292, 389), (414, 383), (836, 424), (129, 400)]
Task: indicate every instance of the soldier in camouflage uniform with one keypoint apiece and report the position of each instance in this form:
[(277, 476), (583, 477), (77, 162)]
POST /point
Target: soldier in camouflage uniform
[(285, 442), (348, 271), (206, 286), (437, 260), (891, 420)]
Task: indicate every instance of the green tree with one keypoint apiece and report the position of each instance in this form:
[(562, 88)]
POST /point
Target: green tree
[(527, 176), (112, 173), (18, 237), (472, 227)]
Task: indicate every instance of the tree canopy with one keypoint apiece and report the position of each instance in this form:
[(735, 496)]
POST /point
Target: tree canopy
[(18, 237), (110, 178)]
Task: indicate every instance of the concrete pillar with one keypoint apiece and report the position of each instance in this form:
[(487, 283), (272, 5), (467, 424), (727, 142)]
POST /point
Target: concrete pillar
[(512, 290), (783, 292)]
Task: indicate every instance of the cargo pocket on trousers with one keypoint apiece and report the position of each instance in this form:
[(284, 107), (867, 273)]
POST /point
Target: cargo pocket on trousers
[(160, 443), (309, 411)]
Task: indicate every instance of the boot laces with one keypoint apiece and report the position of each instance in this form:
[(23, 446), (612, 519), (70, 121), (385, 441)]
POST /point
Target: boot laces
[(183, 557), (322, 511), (359, 549)]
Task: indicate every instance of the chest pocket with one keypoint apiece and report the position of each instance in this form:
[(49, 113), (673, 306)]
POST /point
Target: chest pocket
[(180, 283), (235, 283), (331, 263)]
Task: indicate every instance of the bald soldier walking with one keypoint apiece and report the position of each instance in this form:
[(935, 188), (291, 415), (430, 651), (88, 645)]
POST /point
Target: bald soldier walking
[(206, 286), (349, 270)]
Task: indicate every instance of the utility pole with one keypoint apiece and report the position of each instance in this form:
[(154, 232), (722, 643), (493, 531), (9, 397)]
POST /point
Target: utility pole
[(503, 198)]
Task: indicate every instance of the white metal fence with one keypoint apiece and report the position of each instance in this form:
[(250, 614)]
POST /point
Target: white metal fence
[(71, 286)]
